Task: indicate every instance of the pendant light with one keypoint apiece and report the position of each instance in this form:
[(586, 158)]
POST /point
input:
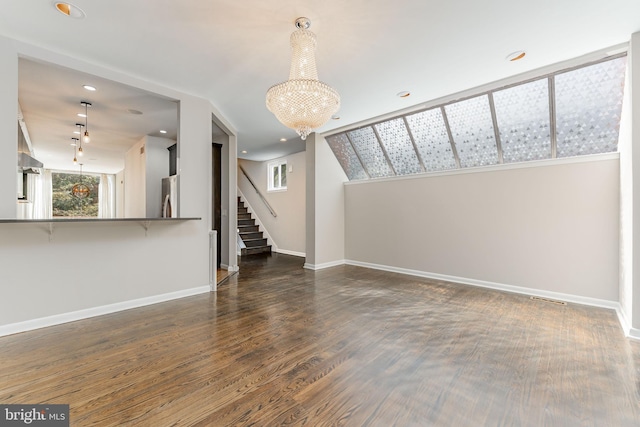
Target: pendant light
[(75, 150), (80, 190), (80, 151), (303, 102), (85, 137)]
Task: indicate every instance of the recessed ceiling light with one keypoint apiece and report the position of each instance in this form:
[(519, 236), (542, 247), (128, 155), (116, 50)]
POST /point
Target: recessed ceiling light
[(73, 144), (82, 115), (516, 56), (163, 131), (136, 112), (70, 10), (244, 151), (76, 132), (89, 87), (335, 117), (403, 94), (283, 139)]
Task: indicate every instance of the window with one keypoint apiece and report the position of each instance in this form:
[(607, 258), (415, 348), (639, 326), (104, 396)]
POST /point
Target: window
[(277, 176), (65, 204), (567, 113)]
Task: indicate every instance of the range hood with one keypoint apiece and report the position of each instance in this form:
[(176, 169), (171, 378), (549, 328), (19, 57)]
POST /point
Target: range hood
[(27, 164)]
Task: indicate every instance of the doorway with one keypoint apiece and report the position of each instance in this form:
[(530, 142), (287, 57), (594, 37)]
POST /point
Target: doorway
[(216, 194)]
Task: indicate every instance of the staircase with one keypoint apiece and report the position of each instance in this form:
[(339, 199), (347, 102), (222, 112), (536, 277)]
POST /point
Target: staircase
[(252, 237)]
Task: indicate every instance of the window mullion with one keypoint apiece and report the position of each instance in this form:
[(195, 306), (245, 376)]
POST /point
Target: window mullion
[(552, 118), (496, 132), (451, 141)]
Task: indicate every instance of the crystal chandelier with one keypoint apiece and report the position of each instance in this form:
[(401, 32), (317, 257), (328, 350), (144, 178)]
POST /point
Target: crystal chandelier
[(303, 103)]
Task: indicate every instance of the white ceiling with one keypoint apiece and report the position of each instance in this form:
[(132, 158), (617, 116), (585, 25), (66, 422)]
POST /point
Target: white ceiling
[(231, 52)]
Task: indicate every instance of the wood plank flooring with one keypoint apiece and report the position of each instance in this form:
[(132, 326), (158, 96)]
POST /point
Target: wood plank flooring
[(280, 345)]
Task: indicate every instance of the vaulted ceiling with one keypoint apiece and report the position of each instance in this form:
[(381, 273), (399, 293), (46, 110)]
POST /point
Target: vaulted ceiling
[(231, 52)]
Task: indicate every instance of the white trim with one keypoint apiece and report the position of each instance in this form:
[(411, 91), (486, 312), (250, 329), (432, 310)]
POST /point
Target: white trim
[(57, 319), (577, 299), (323, 265), (288, 252), (633, 333), (261, 226), (229, 267), (496, 168), (270, 166)]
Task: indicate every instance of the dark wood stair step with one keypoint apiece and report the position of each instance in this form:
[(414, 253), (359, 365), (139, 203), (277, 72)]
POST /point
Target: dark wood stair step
[(247, 228), (251, 235), (246, 222), (251, 243), (256, 250)]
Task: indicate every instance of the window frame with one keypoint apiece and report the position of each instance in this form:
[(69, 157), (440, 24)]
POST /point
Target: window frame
[(281, 165)]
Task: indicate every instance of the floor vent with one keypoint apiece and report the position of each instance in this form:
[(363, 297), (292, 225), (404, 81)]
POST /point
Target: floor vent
[(552, 301)]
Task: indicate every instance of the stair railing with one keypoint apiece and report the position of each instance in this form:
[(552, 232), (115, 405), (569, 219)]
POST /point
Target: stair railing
[(258, 191)]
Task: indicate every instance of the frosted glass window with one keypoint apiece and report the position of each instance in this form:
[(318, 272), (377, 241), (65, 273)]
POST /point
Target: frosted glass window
[(472, 130), (522, 114), (397, 142), (366, 144), (277, 178), (431, 137), (588, 107), (343, 150)]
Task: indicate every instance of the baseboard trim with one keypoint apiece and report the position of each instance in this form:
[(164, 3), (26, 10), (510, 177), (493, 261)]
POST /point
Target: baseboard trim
[(323, 265), (288, 252), (229, 267), (43, 322), (577, 299)]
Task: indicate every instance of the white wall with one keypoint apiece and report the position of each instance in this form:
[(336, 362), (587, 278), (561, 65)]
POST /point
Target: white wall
[(551, 228), (8, 129), (287, 229), (156, 168), (325, 206), (143, 173), (631, 157), (120, 194), (135, 190), (92, 265)]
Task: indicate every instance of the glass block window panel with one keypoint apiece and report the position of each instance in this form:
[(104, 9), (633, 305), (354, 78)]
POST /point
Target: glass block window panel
[(431, 137), (369, 150), (472, 131), (343, 150), (522, 114), (588, 107), (397, 142)]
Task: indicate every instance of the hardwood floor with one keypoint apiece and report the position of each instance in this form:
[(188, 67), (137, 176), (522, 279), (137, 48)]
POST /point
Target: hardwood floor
[(280, 345)]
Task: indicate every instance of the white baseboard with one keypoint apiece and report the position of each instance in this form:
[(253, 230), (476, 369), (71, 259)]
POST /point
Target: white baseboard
[(294, 253), (323, 265), (633, 333), (229, 267), (58, 319), (577, 299), (626, 326)]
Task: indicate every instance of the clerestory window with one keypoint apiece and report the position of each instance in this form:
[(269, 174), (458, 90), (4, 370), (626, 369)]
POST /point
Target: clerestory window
[(568, 113)]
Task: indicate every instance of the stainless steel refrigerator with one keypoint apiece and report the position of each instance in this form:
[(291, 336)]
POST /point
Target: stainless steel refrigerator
[(170, 197)]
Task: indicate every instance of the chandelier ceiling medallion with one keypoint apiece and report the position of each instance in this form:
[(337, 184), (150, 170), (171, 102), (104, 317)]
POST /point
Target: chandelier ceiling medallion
[(303, 103)]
